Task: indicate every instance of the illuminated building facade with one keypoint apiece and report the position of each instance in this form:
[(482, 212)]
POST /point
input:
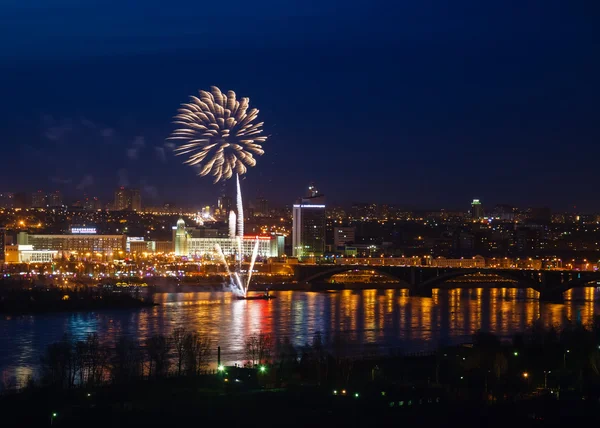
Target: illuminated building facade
[(309, 226), (190, 242), (180, 239), (26, 254), (127, 200), (343, 236), (476, 209), (54, 199), (267, 246), (79, 243)]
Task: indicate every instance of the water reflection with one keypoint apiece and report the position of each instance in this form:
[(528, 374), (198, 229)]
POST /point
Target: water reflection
[(384, 318)]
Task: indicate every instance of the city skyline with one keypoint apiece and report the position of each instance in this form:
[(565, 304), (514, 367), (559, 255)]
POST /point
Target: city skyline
[(55, 199)]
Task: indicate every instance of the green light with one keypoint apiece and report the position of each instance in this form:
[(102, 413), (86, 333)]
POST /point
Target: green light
[(54, 415), (335, 392), (356, 394), (221, 367), (516, 354), (263, 369)]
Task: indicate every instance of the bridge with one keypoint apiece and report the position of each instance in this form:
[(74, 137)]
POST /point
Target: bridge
[(421, 280)]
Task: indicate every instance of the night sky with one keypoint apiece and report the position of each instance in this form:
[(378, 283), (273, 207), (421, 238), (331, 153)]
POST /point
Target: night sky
[(420, 104)]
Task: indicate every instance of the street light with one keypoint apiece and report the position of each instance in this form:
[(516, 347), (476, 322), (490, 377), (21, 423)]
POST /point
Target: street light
[(525, 375), (546, 378)]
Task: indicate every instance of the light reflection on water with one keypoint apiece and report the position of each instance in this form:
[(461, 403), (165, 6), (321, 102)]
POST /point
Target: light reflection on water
[(385, 318)]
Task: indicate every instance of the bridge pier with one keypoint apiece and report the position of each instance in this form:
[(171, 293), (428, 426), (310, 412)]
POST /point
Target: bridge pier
[(416, 291), (552, 296)]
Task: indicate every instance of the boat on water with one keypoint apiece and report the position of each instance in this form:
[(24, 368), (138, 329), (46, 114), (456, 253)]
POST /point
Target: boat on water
[(265, 296)]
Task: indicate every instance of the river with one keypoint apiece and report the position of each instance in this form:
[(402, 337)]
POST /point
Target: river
[(371, 320)]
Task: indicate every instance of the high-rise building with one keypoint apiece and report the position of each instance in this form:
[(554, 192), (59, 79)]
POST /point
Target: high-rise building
[(2, 243), (20, 200), (309, 226), (343, 236), (121, 199), (476, 209), (6, 200), (503, 212), (92, 204), (136, 200), (127, 200), (38, 199), (54, 200), (224, 205), (262, 207)]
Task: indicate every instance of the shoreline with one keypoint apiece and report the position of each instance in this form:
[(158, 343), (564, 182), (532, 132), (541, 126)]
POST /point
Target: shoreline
[(35, 303)]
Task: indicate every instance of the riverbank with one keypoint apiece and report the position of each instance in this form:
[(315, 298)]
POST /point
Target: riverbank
[(57, 300), (486, 382)]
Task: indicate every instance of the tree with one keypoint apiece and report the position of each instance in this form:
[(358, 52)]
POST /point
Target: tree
[(178, 339), (127, 360), (57, 365), (288, 357), (196, 351), (319, 355), (158, 348), (91, 360), (258, 349)]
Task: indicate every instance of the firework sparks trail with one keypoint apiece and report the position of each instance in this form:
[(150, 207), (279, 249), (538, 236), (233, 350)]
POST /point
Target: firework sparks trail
[(251, 268)]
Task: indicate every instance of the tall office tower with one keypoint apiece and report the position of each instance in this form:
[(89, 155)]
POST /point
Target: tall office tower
[(309, 227), (92, 204), (262, 207), (54, 200), (121, 199), (136, 199), (6, 200), (224, 205), (38, 199), (127, 200), (476, 209)]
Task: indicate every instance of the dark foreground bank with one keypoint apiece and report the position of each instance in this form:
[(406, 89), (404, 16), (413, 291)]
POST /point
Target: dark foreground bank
[(208, 401)]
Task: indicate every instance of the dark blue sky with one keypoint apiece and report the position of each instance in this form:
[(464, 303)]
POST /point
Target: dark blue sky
[(421, 104)]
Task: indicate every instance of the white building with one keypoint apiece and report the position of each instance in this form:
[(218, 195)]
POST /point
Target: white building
[(186, 245), (26, 254)]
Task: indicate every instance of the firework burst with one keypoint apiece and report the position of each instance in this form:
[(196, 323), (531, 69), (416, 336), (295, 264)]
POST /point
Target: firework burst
[(218, 134)]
